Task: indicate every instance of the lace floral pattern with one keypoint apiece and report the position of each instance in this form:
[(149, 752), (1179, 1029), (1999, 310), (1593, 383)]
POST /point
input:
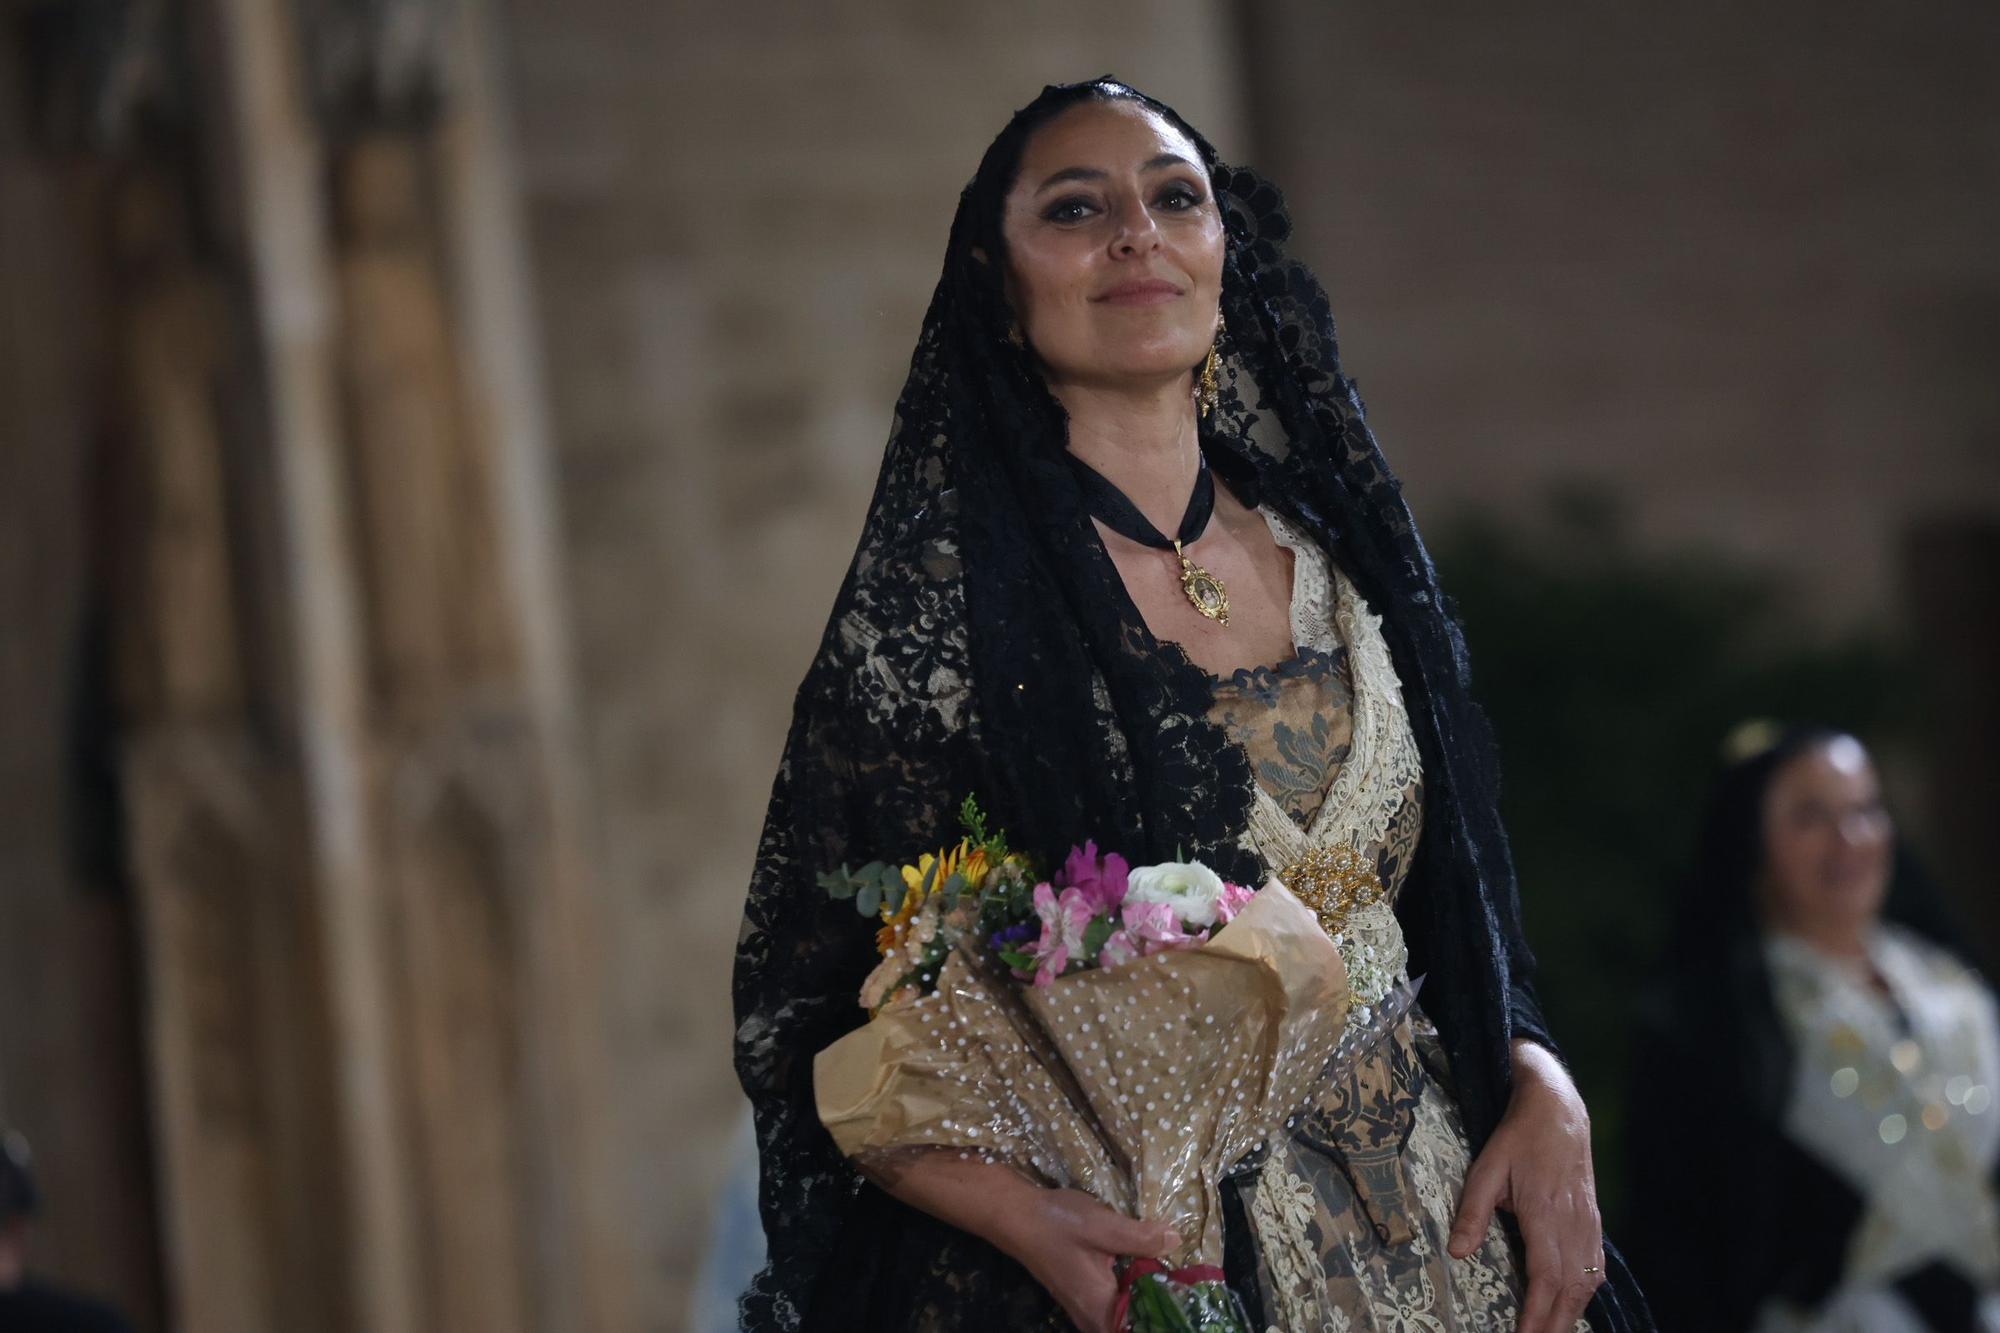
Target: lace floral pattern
[(1294, 720), (1354, 1240)]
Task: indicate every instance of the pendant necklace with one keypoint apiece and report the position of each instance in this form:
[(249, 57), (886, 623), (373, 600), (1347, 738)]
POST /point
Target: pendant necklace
[(1110, 505)]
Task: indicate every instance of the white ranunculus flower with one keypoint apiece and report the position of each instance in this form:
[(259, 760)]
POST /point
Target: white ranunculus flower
[(1189, 887)]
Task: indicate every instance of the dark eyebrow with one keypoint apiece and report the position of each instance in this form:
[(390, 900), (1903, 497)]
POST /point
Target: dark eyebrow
[(1098, 173)]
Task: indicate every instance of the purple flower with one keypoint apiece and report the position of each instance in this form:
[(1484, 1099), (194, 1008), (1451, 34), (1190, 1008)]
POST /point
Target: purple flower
[(1100, 878), (1010, 937)]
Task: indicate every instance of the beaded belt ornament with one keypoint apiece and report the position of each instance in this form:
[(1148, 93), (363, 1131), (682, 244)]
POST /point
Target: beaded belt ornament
[(1333, 881)]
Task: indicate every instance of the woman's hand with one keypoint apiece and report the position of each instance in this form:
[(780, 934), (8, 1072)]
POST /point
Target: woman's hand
[(1070, 1242), (1537, 1166), (1066, 1240)]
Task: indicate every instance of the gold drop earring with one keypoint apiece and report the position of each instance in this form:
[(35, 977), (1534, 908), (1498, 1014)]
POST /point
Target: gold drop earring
[(1207, 389)]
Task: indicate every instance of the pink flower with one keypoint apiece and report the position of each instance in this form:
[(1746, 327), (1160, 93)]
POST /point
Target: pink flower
[(1063, 923), (1155, 928), (1234, 899), (1119, 948), (1102, 879)]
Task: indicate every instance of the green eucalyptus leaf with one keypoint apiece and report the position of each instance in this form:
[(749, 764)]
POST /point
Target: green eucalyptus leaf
[(838, 884)]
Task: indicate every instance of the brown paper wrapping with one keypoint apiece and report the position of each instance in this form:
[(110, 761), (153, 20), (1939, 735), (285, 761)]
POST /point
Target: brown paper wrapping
[(1140, 1084)]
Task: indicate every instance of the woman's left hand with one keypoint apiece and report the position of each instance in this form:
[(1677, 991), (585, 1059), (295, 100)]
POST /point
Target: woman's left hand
[(1537, 1166)]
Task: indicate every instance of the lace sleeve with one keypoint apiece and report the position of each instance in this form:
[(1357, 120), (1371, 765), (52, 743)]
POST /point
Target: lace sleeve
[(877, 759), (799, 963)]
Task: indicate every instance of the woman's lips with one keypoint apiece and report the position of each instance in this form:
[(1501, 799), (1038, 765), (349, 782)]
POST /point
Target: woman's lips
[(1142, 291)]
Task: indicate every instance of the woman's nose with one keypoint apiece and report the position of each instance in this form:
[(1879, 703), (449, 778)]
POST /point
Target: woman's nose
[(1859, 828), (1137, 232)]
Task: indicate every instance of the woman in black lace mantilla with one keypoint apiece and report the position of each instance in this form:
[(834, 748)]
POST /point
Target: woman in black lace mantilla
[(996, 635)]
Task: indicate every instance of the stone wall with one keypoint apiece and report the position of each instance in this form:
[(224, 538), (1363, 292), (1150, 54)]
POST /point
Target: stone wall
[(1732, 264)]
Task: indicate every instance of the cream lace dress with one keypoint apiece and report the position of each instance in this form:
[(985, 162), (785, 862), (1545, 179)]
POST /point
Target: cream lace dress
[(1351, 1212)]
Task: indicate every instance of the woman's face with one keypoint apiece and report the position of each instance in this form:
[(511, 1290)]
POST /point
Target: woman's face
[(1114, 248), (1827, 842)]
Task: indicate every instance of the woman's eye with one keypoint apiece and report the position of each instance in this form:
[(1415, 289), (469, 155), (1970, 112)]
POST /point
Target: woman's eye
[(1179, 198), (1068, 210)]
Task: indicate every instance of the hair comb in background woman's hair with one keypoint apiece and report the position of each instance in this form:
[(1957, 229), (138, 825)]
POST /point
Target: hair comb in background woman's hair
[(1750, 738)]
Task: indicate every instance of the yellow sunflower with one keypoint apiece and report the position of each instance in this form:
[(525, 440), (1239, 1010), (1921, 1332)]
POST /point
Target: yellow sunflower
[(967, 861)]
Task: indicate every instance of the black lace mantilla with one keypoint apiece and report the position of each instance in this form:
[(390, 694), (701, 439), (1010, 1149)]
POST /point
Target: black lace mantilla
[(983, 642)]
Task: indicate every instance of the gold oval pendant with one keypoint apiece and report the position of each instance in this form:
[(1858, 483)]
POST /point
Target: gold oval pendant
[(1206, 592), (1203, 589)]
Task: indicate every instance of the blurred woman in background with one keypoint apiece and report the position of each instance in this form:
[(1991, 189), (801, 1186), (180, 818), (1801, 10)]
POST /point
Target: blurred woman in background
[(1813, 1125)]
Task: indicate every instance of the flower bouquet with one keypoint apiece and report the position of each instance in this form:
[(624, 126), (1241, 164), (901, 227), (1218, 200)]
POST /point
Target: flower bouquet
[(1127, 1031)]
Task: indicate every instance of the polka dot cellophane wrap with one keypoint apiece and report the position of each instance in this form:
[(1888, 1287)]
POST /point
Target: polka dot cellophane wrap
[(1139, 1084)]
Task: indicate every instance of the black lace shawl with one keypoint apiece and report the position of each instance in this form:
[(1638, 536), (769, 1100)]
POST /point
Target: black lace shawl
[(983, 642)]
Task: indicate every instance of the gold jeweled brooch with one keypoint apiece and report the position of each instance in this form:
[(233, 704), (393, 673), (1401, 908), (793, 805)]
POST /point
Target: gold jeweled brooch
[(1333, 881)]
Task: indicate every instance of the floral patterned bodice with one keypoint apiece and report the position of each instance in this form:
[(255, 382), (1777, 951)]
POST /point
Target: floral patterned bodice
[(1332, 754)]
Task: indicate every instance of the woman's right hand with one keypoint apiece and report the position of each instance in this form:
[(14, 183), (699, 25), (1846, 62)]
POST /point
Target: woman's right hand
[(1070, 1243), (1067, 1240)]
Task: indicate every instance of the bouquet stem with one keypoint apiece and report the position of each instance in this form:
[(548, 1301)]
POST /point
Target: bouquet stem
[(1153, 1298)]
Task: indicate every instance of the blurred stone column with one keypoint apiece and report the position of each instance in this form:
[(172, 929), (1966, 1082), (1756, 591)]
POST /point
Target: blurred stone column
[(71, 1051), (237, 1021), (465, 720), (458, 939), (347, 761)]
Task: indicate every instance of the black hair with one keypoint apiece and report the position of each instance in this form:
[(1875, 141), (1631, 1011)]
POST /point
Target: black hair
[(1730, 851), (1000, 166), (1730, 848), (19, 1196), (983, 202)]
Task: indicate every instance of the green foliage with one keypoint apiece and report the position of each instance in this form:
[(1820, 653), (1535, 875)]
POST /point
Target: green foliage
[(1094, 935), (868, 887), (1162, 1306), (1008, 896), (1611, 676), (976, 830)]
